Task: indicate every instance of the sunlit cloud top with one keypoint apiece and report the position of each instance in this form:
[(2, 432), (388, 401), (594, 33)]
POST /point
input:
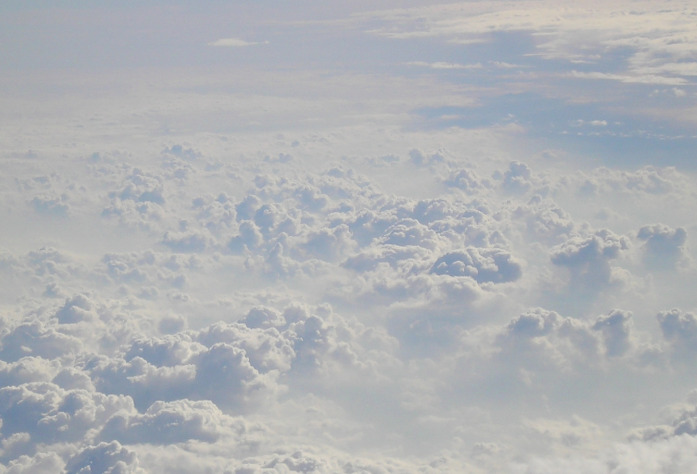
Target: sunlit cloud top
[(235, 42)]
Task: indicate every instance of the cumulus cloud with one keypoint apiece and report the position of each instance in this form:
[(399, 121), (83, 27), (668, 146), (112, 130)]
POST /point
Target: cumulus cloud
[(225, 375), (517, 177), (37, 339), (76, 309), (104, 457), (322, 258), (541, 339), (466, 180), (484, 265), (186, 241), (168, 423), (588, 260), (49, 414), (51, 206), (664, 246), (615, 329), (680, 330), (422, 292)]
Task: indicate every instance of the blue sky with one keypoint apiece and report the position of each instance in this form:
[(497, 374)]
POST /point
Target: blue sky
[(348, 237)]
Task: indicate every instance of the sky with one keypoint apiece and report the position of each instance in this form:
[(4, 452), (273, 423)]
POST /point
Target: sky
[(360, 237)]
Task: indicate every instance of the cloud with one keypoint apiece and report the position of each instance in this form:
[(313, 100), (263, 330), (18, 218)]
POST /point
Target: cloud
[(41, 463), (615, 329), (168, 423), (104, 457), (51, 206), (588, 257), (540, 339), (664, 247), (680, 330), (225, 375), (356, 251), (26, 369), (647, 179), (484, 265), (444, 65), (417, 319), (50, 414), (234, 42), (517, 177), (466, 180), (77, 309), (651, 59), (186, 241), (37, 339), (674, 455)]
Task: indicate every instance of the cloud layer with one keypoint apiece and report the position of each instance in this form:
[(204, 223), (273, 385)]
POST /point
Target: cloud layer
[(404, 240)]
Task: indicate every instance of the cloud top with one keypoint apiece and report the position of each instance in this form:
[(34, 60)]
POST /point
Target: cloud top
[(235, 43)]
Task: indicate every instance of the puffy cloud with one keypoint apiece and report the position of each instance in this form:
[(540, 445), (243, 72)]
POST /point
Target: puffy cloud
[(648, 179), (664, 245), (26, 369), (588, 260), (51, 206), (234, 365), (544, 220), (104, 457), (419, 158), (41, 463), (249, 237), (141, 380), (192, 241), (680, 330), (215, 214), (409, 232), (166, 351), (615, 329), (582, 251), (225, 375), (48, 262), (139, 202), (421, 325), (168, 423), (517, 178), (673, 455), (573, 433), (167, 310), (267, 349), (149, 271), (50, 414), (540, 338), (466, 180), (76, 309), (142, 187), (541, 348), (34, 338), (484, 265), (329, 244)]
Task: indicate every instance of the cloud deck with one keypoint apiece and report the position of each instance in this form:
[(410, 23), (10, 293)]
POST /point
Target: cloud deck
[(265, 258)]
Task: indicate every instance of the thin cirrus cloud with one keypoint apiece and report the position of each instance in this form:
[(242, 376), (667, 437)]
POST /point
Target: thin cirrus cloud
[(235, 43)]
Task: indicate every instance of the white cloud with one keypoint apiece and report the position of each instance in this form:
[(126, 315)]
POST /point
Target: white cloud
[(664, 246), (234, 42), (494, 265), (104, 457), (444, 65), (376, 244)]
